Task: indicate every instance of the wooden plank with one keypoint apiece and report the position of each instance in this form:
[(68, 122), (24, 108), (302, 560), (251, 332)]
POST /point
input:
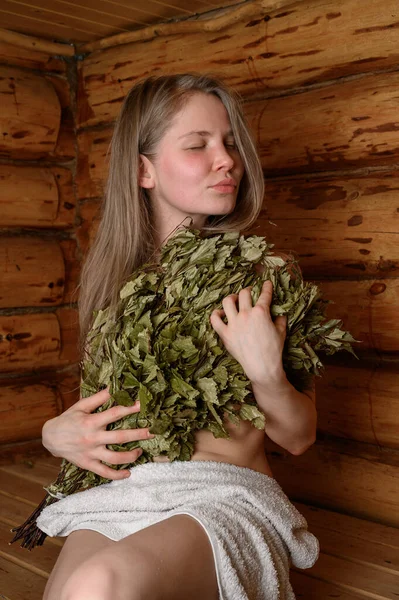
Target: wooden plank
[(307, 587), (360, 402), (354, 539), (95, 18), (23, 57), (40, 561), (38, 27), (357, 479), (38, 340), (25, 97), (366, 532), (18, 583), (15, 487), (32, 472), (273, 55), (356, 578)]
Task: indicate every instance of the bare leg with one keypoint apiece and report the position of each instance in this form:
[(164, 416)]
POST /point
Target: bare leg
[(79, 546), (171, 560)]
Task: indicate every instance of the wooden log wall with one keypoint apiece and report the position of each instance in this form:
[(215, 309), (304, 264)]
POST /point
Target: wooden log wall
[(39, 258), (319, 81)]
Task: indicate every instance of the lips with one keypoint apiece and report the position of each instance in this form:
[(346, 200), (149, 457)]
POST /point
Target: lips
[(225, 186)]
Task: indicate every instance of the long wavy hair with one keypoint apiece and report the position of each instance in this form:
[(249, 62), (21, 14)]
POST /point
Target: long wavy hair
[(125, 236)]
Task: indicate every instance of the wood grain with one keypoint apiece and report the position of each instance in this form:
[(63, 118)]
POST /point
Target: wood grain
[(36, 197), (360, 402), (25, 97), (357, 479), (286, 49), (38, 340)]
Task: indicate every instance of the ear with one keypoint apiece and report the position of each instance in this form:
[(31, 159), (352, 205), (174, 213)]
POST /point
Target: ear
[(146, 173)]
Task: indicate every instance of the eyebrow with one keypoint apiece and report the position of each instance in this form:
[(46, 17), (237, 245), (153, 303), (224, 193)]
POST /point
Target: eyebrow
[(202, 133)]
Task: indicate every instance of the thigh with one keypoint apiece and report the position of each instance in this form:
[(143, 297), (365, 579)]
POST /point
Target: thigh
[(79, 546), (170, 560)]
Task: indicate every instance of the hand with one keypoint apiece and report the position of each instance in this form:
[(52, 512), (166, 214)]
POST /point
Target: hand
[(81, 437), (251, 336)]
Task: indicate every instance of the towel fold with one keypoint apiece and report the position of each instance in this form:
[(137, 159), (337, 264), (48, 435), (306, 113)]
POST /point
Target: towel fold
[(255, 531)]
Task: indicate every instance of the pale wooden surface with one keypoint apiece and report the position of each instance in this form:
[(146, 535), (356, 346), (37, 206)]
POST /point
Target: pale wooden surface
[(359, 559), (87, 20)]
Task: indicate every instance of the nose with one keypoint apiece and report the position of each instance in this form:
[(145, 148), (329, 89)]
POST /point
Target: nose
[(223, 159)]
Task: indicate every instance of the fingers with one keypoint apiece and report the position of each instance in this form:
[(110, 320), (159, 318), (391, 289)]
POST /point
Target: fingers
[(230, 306), (122, 436), (107, 472), (266, 295), (280, 323), (92, 402), (120, 458), (114, 414)]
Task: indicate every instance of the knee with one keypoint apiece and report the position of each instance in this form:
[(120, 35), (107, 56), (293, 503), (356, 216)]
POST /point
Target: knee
[(93, 580), (106, 576)]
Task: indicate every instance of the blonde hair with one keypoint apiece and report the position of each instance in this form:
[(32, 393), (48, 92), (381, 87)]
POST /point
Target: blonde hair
[(125, 237)]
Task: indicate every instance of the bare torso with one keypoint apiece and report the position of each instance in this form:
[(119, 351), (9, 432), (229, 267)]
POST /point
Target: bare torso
[(245, 448)]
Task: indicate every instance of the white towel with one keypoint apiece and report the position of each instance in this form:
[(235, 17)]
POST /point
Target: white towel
[(255, 531)]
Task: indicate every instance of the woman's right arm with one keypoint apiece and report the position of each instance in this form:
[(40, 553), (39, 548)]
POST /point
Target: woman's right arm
[(80, 436)]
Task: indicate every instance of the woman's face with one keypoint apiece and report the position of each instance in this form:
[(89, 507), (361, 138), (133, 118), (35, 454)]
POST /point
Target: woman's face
[(197, 169)]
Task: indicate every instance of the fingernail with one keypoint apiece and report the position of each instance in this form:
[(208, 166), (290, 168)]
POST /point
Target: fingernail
[(126, 475)]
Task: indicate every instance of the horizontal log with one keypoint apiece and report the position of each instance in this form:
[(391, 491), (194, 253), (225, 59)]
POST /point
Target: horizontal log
[(22, 57), (339, 227), (357, 479), (65, 148), (89, 220), (92, 167), (34, 44), (273, 54), (368, 310), (24, 410), (21, 451), (350, 124), (38, 340), (25, 99), (36, 197), (72, 264), (360, 403), (32, 272), (27, 403)]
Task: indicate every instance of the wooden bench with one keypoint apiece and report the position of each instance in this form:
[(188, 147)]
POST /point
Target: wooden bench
[(359, 559)]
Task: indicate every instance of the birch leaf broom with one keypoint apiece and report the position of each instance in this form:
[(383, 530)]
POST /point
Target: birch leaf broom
[(162, 350)]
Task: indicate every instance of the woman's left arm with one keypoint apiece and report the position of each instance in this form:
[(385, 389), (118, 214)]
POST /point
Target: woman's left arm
[(291, 417), (257, 342)]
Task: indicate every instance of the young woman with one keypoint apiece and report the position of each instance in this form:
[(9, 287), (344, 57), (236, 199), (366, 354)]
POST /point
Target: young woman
[(180, 149)]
